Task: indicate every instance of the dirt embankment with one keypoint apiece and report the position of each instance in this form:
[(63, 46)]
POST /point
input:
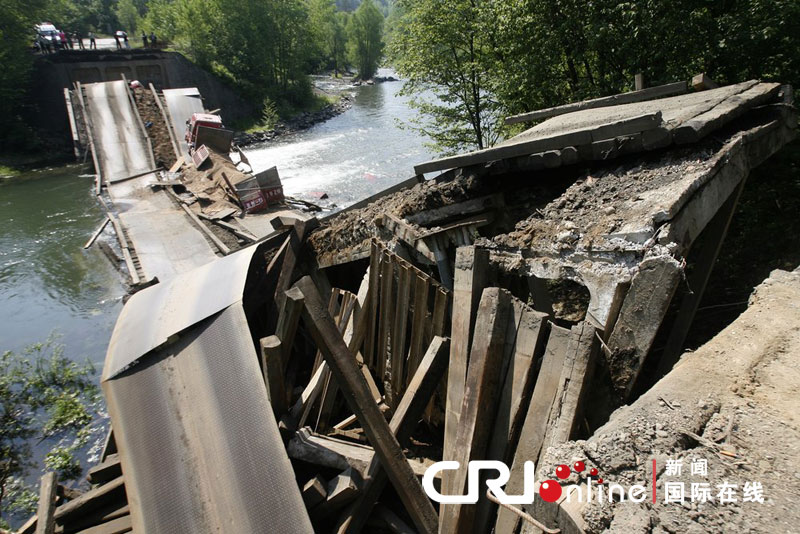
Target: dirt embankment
[(731, 403)]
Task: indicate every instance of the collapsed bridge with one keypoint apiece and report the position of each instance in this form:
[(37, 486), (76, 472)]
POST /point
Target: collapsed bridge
[(495, 311)]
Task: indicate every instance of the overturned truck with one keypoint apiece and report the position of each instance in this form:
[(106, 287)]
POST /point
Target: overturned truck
[(495, 311)]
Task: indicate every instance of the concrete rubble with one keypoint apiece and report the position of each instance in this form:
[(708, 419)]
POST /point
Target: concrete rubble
[(502, 310)]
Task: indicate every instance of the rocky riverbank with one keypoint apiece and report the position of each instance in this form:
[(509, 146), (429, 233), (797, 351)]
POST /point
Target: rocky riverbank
[(296, 124)]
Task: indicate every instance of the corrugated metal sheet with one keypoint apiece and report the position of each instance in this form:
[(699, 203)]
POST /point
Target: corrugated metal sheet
[(199, 445), (152, 315)]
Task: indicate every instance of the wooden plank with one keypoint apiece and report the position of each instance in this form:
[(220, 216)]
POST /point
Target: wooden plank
[(406, 233), (314, 492), (331, 387), (439, 312), (331, 453), (520, 377), (651, 93), (536, 418), (91, 500), (418, 320), (372, 303), (403, 422), (271, 350), (542, 144), (398, 353), (109, 469), (48, 487), (575, 376), (302, 407), (96, 233), (386, 317), (115, 526), (471, 276), (701, 82), (359, 397), (459, 210), (479, 402)]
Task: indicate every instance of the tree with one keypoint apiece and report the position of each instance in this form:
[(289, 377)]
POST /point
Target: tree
[(128, 16), (43, 396), (447, 52), (366, 39)]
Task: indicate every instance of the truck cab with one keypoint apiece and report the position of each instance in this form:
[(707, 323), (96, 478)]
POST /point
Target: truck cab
[(200, 119)]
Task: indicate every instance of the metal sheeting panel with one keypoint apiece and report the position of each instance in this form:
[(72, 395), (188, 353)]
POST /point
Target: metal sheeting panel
[(121, 147), (199, 445), (181, 103), (155, 313)]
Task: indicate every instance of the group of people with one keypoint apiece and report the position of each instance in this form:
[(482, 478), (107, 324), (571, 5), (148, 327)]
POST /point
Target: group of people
[(65, 40), (121, 38)]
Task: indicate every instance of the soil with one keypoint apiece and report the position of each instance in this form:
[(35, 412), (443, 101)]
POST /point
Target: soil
[(353, 228), (157, 129), (738, 393)]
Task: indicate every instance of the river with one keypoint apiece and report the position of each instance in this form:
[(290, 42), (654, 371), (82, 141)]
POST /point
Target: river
[(48, 283), (352, 155)]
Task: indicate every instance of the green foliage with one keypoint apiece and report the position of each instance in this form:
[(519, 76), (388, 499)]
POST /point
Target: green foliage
[(128, 16), (44, 396), (511, 56), (448, 51), (365, 29)]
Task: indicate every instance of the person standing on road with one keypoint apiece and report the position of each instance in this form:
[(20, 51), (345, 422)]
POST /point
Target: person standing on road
[(153, 40), (62, 39), (144, 39), (66, 40), (125, 38), (79, 38), (92, 42)]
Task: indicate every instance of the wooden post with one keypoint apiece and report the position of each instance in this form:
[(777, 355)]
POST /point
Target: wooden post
[(639, 81), (372, 303), (314, 492), (405, 418), (420, 316), (479, 401), (357, 393), (386, 316), (288, 320), (271, 350), (471, 274), (45, 517)]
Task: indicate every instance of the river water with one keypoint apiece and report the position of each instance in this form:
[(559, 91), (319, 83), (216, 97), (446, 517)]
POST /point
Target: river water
[(48, 283), (352, 155)]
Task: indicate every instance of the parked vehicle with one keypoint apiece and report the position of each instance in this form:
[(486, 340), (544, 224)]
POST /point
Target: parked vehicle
[(47, 36)]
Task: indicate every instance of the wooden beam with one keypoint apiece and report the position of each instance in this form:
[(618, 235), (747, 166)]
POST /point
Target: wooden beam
[(96, 233), (471, 276), (404, 420), (535, 425), (119, 525), (357, 393), (651, 93), (459, 210), (372, 302), (108, 469), (701, 82), (342, 490), (386, 319), (479, 402), (291, 259), (45, 516), (289, 318), (91, 500)]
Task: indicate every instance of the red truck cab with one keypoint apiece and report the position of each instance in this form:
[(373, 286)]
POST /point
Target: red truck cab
[(197, 120)]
